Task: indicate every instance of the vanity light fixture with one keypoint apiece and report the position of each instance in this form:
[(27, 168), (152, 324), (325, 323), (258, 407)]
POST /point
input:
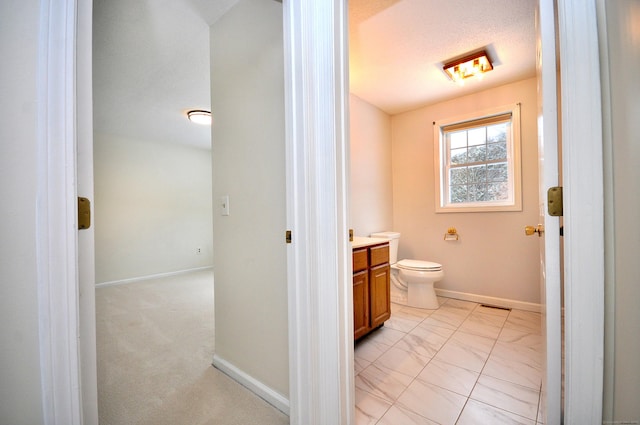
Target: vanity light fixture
[(467, 66), (199, 116)]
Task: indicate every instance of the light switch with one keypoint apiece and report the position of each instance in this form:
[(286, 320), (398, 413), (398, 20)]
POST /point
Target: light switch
[(224, 205)]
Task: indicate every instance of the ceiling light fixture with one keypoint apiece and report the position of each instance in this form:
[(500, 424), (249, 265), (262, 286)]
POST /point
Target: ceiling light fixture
[(467, 66), (199, 116)]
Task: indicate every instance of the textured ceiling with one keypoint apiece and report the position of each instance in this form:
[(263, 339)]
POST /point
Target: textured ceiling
[(151, 57), (150, 65), (397, 47)]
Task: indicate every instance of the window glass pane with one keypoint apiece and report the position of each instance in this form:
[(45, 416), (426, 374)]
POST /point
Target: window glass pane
[(497, 151), (458, 194), (459, 156), (480, 166), (477, 192), (497, 133), (457, 139), (498, 172), (458, 176), (498, 191), (477, 154), (477, 136), (478, 174)]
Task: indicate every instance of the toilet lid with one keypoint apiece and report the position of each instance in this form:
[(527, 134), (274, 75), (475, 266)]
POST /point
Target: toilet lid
[(419, 265)]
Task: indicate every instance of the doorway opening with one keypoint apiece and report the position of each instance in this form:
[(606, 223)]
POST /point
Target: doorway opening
[(392, 145), (152, 208)]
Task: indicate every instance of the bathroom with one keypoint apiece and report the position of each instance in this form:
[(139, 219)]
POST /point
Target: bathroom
[(393, 188), (466, 362), (491, 262)]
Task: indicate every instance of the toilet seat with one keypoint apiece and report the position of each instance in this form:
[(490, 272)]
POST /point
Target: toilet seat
[(419, 265)]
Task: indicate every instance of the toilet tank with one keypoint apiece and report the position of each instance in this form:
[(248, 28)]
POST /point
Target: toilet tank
[(394, 239)]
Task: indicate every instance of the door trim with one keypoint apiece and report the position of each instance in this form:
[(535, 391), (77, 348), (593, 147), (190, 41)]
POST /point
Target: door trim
[(582, 170), (57, 250), (321, 383)]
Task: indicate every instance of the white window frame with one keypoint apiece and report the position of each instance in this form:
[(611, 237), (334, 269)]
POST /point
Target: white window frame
[(514, 202)]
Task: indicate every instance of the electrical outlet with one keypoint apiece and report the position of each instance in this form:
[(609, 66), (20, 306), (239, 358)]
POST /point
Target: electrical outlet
[(198, 250)]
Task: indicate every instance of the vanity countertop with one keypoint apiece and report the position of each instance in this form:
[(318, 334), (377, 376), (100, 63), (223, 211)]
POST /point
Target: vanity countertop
[(361, 241)]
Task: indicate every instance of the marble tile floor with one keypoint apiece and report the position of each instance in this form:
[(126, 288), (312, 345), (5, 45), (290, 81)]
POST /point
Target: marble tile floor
[(462, 364)]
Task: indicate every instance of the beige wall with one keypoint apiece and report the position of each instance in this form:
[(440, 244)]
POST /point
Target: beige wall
[(152, 208), (493, 257), (249, 253), (370, 165), (20, 388), (622, 371)]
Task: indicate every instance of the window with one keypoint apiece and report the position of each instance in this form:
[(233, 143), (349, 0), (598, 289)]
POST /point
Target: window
[(478, 162)]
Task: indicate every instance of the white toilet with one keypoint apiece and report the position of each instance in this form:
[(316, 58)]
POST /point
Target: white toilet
[(411, 280)]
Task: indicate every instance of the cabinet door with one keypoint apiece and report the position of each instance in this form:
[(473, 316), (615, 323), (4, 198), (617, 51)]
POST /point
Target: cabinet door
[(361, 304), (380, 278)]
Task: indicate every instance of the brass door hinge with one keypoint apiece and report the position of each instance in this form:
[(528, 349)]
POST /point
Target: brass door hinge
[(84, 213), (287, 236), (554, 201), (350, 235)]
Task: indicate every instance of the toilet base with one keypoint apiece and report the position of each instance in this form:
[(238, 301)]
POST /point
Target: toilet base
[(413, 290), (422, 295), (398, 296)]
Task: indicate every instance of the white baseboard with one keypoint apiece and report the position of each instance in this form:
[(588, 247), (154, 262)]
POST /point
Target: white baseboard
[(151, 276), (266, 393), (494, 301)]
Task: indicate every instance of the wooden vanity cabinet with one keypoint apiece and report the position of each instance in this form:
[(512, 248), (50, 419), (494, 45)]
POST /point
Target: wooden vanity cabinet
[(371, 280), (361, 316)]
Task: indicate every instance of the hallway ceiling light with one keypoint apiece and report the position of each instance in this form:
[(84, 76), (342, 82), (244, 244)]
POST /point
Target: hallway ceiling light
[(467, 66), (199, 116)]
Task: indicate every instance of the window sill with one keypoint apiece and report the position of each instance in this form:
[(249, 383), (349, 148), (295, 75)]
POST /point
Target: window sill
[(478, 208)]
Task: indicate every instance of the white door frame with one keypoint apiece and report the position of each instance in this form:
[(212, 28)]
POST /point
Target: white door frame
[(582, 174), (86, 237), (57, 249), (321, 354), (321, 383)]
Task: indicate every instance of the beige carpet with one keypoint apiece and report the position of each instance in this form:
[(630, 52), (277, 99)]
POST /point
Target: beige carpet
[(155, 342)]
